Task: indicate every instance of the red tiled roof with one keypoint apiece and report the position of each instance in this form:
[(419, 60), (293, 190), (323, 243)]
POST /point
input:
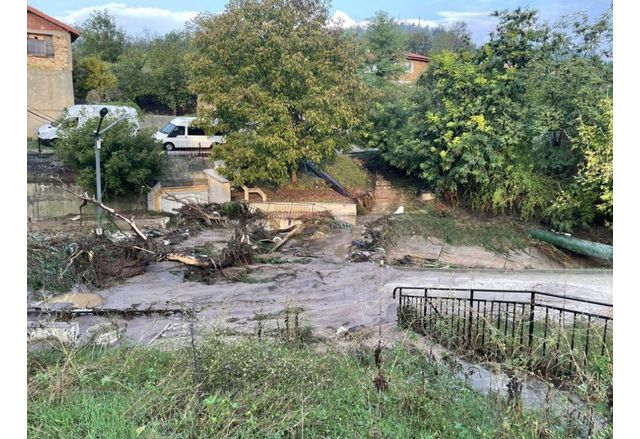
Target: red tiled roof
[(74, 32), (416, 57)]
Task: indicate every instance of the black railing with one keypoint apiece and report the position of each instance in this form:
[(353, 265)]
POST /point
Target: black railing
[(553, 334)]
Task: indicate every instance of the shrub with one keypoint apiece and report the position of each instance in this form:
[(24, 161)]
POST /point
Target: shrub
[(130, 159)]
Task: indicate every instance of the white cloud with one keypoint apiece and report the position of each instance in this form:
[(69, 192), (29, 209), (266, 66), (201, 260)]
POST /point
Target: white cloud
[(344, 20), (479, 23), (134, 19), (453, 16), (419, 22)]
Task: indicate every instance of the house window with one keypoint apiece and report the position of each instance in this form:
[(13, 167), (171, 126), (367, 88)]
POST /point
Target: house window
[(39, 45), (408, 67)]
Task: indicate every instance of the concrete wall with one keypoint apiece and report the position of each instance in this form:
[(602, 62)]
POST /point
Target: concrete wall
[(51, 200), (194, 194), (49, 80), (346, 212)]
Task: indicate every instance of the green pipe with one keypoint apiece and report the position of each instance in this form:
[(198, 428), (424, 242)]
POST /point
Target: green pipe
[(576, 245)]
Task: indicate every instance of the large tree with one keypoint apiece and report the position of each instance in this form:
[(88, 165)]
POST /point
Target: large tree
[(280, 81), (152, 71), (385, 44), (519, 125), (101, 37)]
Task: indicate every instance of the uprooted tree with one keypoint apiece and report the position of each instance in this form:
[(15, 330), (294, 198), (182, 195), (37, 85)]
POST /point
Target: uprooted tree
[(280, 81)]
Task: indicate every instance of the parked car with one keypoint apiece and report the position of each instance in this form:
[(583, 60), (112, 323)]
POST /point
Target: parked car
[(180, 134), (78, 115)]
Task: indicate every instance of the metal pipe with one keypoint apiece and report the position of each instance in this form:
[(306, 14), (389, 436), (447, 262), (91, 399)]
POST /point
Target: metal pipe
[(581, 246)]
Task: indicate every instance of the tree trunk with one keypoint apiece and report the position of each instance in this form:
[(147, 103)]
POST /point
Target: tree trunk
[(294, 176)]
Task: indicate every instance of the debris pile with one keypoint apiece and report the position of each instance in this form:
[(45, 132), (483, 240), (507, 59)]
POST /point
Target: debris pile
[(371, 247)]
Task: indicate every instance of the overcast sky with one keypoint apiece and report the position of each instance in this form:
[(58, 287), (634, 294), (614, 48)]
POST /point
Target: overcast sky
[(160, 16)]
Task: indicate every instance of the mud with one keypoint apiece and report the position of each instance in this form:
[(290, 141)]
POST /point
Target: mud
[(332, 295), (78, 300)]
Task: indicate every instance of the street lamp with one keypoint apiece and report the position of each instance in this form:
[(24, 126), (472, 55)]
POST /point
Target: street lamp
[(98, 137)]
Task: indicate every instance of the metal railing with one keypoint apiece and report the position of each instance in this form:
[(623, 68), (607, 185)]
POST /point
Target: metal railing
[(553, 334)]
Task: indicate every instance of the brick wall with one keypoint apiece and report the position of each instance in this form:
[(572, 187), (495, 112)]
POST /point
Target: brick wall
[(49, 80), (61, 59), (416, 71)]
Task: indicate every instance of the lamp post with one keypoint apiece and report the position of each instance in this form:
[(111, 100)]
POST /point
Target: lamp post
[(103, 113), (98, 138)]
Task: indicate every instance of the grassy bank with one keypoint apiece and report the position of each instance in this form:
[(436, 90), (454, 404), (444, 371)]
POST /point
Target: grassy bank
[(262, 389), (498, 235)]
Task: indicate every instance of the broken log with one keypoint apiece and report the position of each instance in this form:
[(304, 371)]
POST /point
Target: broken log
[(187, 260), (295, 230), (86, 199), (65, 314)]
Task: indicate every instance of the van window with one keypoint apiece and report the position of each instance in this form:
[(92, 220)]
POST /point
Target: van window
[(177, 131), (167, 128), (193, 131)]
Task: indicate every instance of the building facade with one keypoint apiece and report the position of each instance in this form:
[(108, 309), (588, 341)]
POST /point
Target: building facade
[(49, 68), (415, 64)]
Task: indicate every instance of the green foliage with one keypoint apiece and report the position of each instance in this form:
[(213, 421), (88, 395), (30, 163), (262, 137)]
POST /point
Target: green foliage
[(155, 69), (385, 43), (387, 124), (283, 84), (99, 37), (262, 389), (130, 159), (93, 74), (349, 173), (590, 194), (46, 264), (499, 236), (517, 126)]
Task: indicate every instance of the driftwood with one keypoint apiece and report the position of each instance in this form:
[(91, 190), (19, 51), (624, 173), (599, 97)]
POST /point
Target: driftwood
[(86, 199), (126, 312), (208, 218), (295, 230), (187, 260)]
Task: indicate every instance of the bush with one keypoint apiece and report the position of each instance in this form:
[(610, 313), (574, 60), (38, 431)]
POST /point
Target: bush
[(130, 159)]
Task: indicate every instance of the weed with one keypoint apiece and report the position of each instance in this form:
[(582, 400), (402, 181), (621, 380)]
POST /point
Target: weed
[(260, 388), (499, 236)]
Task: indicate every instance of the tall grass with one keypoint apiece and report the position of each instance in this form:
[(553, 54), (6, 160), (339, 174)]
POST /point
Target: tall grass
[(260, 388)]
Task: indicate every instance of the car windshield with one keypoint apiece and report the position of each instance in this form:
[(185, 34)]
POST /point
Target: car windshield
[(167, 128)]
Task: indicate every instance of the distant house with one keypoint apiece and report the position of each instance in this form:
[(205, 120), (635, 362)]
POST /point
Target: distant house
[(415, 64), (49, 68)]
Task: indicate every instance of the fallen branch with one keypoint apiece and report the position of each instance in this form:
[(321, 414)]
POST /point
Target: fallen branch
[(207, 217), (186, 259), (159, 334), (86, 199), (295, 230)]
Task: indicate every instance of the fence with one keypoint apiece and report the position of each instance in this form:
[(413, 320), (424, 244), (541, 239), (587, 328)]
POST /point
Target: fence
[(553, 334)]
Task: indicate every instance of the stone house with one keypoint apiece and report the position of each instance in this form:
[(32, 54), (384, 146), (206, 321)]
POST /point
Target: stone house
[(415, 64), (49, 68)]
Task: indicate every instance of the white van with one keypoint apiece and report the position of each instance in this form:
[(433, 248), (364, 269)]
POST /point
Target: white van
[(78, 115), (180, 134)]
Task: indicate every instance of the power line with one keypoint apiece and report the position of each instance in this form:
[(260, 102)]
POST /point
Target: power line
[(37, 115)]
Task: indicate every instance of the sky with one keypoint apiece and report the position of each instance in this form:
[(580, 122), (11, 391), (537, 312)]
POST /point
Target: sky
[(161, 16)]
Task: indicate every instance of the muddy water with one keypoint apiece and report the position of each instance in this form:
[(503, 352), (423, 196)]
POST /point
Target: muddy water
[(332, 294), (352, 295)]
